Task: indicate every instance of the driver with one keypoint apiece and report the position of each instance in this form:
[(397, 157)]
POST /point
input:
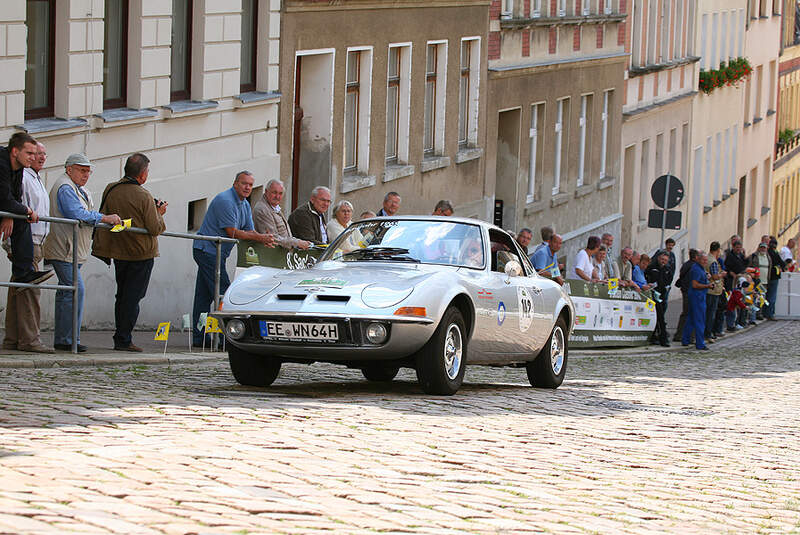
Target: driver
[(472, 253)]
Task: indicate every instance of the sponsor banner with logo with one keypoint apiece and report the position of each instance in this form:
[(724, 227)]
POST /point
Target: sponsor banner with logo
[(249, 254), (607, 315)]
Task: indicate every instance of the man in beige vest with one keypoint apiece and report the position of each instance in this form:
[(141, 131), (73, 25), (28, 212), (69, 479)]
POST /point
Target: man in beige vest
[(69, 199), (269, 219)]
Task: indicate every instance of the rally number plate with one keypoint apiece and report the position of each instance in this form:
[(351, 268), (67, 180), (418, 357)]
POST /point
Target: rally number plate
[(299, 332)]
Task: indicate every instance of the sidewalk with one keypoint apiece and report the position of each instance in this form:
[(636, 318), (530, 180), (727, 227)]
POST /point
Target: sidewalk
[(101, 354)]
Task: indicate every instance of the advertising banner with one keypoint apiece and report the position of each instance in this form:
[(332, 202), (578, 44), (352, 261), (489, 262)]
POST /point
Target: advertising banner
[(610, 317)]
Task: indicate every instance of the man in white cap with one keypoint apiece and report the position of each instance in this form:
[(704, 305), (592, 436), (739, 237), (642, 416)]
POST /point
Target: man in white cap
[(69, 199), (23, 314)]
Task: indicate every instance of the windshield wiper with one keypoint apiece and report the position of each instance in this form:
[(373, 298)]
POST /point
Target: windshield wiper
[(382, 253)]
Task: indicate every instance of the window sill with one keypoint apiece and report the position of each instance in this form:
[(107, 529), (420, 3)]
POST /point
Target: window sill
[(186, 108), (256, 98), (757, 120), (706, 209), (764, 210), (123, 117), (751, 222), (395, 171), (746, 124), (584, 190), (725, 196), (467, 154), (559, 199), (771, 112), (53, 124), (354, 181), (606, 182), (534, 207), (734, 191), (717, 203), (434, 162)]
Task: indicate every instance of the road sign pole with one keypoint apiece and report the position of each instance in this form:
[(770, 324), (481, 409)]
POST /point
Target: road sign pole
[(664, 215)]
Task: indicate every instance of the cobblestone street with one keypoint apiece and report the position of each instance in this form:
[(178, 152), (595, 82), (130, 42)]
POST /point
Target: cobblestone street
[(679, 442)]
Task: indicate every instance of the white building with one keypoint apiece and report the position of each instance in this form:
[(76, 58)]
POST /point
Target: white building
[(191, 83)]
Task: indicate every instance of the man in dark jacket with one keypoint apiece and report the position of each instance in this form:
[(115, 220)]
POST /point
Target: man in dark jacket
[(307, 222), (735, 264), (669, 245), (683, 283), (778, 266), (658, 273), (20, 153)]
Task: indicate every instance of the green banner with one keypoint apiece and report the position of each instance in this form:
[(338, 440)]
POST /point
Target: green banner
[(251, 253)]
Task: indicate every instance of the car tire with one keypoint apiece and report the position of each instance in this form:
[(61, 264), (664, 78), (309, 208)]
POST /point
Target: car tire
[(442, 361), (380, 373), (252, 370), (550, 366)]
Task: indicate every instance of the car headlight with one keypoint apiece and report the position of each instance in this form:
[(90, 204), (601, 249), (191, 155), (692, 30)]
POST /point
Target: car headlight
[(376, 296), (376, 333), (235, 329), (246, 292)]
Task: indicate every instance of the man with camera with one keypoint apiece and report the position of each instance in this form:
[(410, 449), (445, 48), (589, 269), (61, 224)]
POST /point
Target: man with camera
[(133, 254)]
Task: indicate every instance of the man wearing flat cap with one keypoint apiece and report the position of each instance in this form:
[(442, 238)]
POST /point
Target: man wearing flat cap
[(69, 199)]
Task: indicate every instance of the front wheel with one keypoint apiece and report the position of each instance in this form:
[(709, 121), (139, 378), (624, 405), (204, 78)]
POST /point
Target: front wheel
[(252, 370), (379, 373), (550, 367), (441, 362)]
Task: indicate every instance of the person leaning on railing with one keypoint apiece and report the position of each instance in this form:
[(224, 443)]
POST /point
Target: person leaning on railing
[(582, 267), (68, 199)]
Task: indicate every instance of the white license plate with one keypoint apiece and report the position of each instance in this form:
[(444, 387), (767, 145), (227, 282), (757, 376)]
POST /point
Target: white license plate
[(284, 330)]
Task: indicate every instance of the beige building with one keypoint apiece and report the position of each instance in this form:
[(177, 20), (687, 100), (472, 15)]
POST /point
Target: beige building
[(762, 48), (191, 83), (713, 190), (661, 81), (785, 221), (555, 99), (385, 96)]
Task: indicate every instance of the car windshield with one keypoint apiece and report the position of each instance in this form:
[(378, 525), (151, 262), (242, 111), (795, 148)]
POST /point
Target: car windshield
[(426, 242)]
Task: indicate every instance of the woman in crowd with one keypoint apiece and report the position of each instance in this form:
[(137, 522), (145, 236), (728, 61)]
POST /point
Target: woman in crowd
[(599, 263), (342, 214)]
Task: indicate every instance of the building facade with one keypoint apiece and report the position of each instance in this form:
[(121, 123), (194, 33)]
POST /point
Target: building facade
[(660, 84), (555, 99), (785, 221), (193, 84), (385, 96)]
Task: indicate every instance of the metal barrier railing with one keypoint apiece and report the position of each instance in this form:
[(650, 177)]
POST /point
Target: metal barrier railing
[(218, 240)]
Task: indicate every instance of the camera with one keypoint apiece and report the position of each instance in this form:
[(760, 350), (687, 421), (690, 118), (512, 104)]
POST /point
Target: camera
[(158, 202)]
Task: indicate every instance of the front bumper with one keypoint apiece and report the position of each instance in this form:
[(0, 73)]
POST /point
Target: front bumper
[(406, 336)]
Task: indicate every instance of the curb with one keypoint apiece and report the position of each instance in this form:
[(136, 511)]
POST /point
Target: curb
[(65, 361)]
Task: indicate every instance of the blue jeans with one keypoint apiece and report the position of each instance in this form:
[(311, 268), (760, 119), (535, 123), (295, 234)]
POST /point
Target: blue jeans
[(204, 288), (772, 295), (63, 316)]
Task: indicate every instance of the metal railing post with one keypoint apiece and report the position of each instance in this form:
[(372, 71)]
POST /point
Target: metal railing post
[(217, 273), (75, 326)]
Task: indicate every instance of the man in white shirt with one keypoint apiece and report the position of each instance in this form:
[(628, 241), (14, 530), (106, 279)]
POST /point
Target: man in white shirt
[(786, 250), (23, 314), (582, 267)]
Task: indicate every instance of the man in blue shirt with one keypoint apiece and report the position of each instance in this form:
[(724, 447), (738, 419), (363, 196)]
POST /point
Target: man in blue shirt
[(640, 263), (698, 286), (545, 261), (228, 216)]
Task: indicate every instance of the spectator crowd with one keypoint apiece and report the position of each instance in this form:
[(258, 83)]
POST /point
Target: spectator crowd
[(720, 290)]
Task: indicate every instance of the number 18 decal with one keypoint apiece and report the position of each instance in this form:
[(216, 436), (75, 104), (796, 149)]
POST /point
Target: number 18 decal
[(525, 308)]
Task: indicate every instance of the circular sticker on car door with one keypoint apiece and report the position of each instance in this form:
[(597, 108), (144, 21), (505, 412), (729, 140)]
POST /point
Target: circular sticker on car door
[(525, 302)]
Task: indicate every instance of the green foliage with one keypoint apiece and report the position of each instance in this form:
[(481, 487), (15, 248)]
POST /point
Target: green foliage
[(728, 74), (785, 136)]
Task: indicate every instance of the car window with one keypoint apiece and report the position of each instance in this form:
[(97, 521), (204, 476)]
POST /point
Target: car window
[(503, 250), (426, 242)]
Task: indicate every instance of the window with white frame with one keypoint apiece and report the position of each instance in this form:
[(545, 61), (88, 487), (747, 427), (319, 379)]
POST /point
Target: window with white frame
[(536, 9), (115, 60), (560, 149), (180, 77), (713, 56), (586, 8), (708, 183), (666, 16), (605, 117), (507, 9), (584, 133), (536, 135), (468, 92), (356, 110), (704, 55), (636, 39), (435, 89), (398, 105), (562, 8)]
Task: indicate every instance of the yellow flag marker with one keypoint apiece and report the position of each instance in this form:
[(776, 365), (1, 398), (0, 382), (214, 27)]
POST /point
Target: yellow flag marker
[(162, 333), (613, 284), (212, 325), (650, 304), (126, 223)]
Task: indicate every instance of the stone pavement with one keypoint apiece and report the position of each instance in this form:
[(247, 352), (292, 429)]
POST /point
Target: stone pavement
[(680, 442)]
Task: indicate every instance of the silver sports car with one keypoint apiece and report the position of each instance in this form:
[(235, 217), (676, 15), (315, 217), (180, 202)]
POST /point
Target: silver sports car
[(429, 293)]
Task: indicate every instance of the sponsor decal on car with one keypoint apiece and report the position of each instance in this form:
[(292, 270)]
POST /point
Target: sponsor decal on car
[(329, 282), (525, 303), (644, 322), (501, 313), (485, 294)]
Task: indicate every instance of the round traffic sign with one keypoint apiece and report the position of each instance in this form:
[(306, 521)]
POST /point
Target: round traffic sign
[(664, 198)]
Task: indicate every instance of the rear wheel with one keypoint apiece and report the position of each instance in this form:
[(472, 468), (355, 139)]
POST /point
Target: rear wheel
[(380, 373), (441, 362), (252, 370), (550, 367)]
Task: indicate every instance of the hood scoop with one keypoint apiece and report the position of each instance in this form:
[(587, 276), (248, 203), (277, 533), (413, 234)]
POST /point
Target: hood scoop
[(291, 297), (333, 298)]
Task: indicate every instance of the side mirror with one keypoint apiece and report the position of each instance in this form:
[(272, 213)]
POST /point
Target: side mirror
[(513, 268)]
